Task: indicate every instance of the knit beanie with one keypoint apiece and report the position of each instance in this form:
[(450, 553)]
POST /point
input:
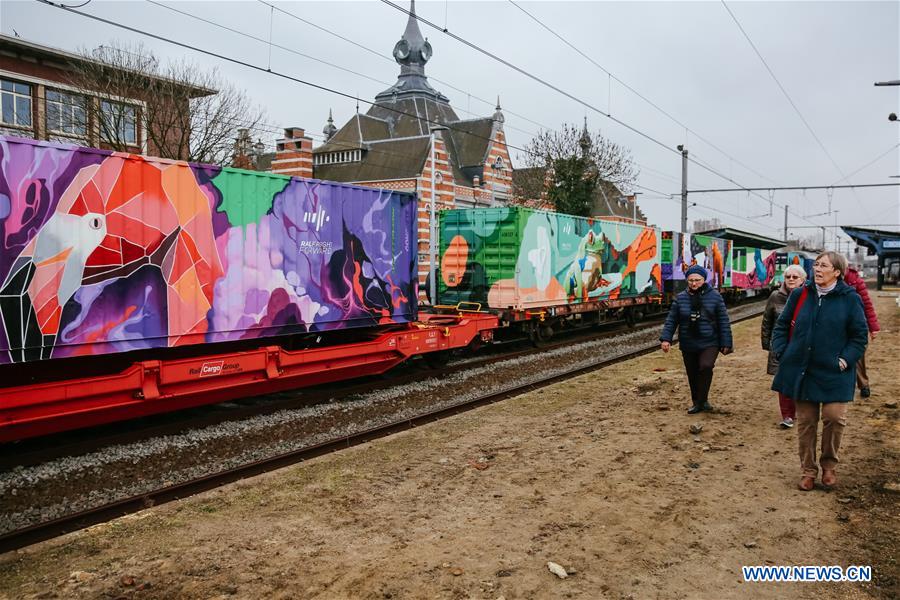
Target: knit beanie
[(696, 270)]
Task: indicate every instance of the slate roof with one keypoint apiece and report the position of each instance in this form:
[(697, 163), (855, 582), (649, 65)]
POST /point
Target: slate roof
[(355, 133), (394, 138), (389, 159), (608, 201), (264, 162)]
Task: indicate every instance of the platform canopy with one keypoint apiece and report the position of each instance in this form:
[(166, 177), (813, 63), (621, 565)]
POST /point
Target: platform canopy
[(878, 241), (744, 238), (884, 244)]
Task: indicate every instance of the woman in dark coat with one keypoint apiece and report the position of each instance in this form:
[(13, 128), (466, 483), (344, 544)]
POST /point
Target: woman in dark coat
[(817, 345), (794, 277), (704, 330)]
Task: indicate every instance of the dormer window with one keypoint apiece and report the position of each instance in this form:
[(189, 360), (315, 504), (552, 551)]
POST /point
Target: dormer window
[(333, 158)]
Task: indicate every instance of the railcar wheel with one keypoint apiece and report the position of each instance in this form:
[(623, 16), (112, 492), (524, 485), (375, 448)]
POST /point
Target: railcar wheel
[(540, 334)]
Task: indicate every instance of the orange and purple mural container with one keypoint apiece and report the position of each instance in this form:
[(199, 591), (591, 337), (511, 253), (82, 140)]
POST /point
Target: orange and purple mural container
[(105, 252)]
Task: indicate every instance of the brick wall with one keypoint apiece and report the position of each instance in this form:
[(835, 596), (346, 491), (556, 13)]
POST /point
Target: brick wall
[(45, 73)]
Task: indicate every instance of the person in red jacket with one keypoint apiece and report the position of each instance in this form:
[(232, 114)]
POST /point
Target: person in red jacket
[(854, 279)]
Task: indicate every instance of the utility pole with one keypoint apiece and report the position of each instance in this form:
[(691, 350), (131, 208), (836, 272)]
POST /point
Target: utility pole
[(785, 223), (684, 163), (837, 237)]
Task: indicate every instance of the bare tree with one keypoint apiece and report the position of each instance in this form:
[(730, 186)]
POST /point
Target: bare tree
[(565, 168), (183, 111)]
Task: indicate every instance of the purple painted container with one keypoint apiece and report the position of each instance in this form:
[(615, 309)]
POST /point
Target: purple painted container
[(107, 252)]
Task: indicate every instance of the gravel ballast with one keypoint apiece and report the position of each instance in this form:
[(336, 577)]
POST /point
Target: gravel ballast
[(39, 493)]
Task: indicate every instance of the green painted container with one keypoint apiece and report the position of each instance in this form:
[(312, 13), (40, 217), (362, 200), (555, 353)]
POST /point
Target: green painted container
[(520, 258)]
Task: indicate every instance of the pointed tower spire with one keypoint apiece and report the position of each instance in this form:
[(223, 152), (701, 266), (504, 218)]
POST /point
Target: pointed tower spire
[(585, 140), (498, 114), (329, 129), (411, 53)]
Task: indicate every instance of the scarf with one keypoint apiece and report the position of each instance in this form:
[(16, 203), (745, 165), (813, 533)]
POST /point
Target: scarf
[(696, 305)]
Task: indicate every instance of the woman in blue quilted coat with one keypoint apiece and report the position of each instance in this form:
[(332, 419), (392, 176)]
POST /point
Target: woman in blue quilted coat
[(818, 339), (704, 330)]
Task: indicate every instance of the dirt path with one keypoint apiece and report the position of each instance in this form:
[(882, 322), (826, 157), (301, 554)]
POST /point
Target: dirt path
[(600, 475)]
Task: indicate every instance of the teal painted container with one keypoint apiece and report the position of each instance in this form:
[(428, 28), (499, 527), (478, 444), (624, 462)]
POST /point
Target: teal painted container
[(520, 258)]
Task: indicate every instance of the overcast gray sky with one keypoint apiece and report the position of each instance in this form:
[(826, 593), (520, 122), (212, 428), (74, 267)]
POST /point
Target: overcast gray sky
[(688, 58)]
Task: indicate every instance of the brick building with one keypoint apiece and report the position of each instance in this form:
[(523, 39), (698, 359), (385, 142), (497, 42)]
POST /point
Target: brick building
[(390, 146), (40, 99)]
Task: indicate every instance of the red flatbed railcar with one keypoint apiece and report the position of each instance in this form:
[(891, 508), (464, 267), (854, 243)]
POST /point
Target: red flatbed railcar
[(132, 285), (158, 386)]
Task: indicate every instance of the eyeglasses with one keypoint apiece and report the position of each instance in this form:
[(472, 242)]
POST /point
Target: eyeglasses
[(792, 277)]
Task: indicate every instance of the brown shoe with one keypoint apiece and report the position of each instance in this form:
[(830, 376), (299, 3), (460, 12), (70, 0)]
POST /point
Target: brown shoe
[(807, 483), (828, 477)]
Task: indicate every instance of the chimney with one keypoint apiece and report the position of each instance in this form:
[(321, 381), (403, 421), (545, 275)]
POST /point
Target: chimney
[(293, 154)]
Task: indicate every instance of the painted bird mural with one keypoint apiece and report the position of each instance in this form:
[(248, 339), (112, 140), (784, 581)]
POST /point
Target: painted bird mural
[(114, 219)]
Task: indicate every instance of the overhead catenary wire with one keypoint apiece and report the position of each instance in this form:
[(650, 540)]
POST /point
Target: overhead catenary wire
[(388, 58), (611, 76), (279, 74), (557, 89), (288, 77), (327, 63), (755, 191), (545, 83), (271, 44), (796, 187), (529, 75), (871, 162), (706, 208), (788, 96)]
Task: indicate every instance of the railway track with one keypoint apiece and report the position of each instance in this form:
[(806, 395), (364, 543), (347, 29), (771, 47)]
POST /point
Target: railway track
[(42, 531), (40, 450)]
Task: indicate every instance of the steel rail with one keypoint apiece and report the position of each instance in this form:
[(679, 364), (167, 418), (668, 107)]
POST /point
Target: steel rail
[(70, 443), (43, 531)]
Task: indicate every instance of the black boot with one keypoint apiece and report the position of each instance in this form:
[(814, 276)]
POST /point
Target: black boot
[(695, 409), (706, 407)]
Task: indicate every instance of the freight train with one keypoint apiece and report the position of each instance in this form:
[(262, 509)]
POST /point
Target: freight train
[(541, 271), (132, 285)]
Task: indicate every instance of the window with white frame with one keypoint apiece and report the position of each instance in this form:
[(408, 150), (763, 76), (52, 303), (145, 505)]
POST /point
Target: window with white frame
[(66, 113), (15, 101), (331, 158), (118, 122)]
